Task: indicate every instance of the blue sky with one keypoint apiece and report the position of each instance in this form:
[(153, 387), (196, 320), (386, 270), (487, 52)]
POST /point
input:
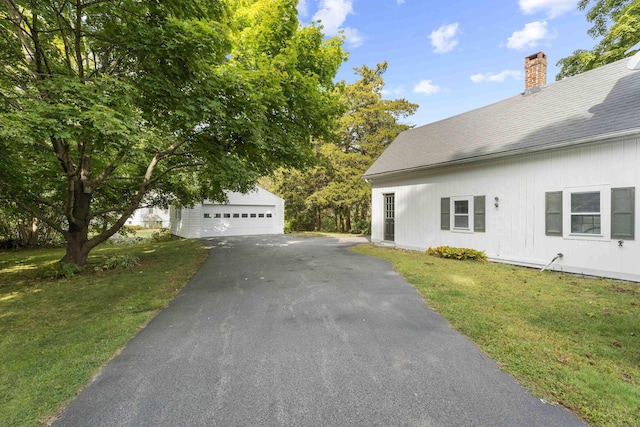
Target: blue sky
[(451, 56)]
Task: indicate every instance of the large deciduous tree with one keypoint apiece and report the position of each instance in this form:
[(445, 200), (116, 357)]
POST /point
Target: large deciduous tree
[(108, 105), (617, 23), (334, 188)]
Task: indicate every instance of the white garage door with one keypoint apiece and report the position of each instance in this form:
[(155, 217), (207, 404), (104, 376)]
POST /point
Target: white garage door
[(238, 220)]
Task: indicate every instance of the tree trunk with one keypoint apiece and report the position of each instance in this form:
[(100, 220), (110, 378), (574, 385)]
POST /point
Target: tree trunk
[(347, 214), (77, 251), (316, 219), (78, 234)]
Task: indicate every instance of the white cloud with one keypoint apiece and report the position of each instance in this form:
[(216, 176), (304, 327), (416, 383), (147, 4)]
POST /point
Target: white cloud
[(427, 88), (332, 14), (443, 39), (530, 35), (353, 37), (394, 91), (498, 78), (400, 1), (553, 8), (303, 10)]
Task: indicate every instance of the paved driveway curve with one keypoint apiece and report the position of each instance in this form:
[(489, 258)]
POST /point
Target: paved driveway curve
[(290, 331)]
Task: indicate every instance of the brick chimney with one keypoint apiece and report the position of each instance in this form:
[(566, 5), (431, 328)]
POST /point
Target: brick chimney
[(535, 71)]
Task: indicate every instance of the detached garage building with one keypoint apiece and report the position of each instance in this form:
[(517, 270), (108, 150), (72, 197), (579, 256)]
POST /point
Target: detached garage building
[(256, 212)]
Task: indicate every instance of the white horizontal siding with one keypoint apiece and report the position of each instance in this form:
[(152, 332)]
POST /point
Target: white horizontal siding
[(515, 230)]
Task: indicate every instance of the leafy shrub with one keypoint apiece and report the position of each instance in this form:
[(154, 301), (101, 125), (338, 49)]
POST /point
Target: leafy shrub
[(162, 235), (361, 227), (62, 269), (122, 262), (328, 224), (12, 244), (132, 227), (457, 253)]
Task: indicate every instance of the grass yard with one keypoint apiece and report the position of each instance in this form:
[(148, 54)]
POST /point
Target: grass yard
[(569, 339), (56, 333), (144, 233)]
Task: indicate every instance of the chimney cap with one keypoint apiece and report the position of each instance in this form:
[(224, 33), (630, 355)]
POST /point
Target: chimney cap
[(536, 55)]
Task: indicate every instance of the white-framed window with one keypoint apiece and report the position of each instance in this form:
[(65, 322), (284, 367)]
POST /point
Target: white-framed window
[(587, 212), (463, 213)]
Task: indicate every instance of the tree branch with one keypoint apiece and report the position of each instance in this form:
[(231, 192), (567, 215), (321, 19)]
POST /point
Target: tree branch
[(33, 212), (108, 170), (63, 29), (18, 20), (142, 190), (78, 38)]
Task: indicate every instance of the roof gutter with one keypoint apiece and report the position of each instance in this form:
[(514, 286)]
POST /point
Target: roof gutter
[(508, 153)]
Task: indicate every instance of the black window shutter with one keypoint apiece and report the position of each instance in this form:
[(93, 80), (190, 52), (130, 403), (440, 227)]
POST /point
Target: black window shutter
[(445, 212), (623, 213), (479, 213), (553, 213)]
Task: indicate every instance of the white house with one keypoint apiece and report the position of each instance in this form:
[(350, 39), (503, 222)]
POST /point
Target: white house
[(551, 171), (256, 212), (150, 218)]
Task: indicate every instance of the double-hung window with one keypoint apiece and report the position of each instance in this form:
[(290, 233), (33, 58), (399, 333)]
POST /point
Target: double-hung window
[(461, 215), (586, 217)]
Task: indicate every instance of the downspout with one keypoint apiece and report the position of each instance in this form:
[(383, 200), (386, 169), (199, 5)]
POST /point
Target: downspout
[(552, 261)]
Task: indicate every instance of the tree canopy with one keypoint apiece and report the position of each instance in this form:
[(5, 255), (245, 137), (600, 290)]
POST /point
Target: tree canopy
[(106, 106), (332, 194), (617, 23)]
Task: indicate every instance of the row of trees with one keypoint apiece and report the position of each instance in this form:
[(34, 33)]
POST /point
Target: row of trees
[(331, 195)]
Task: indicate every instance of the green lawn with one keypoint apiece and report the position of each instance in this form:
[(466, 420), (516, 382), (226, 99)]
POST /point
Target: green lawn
[(56, 334), (144, 233), (569, 339)]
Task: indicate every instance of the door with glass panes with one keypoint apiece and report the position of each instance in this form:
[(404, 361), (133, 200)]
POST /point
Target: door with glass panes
[(389, 217)]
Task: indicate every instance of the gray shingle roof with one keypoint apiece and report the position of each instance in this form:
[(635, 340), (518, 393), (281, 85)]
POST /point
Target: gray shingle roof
[(597, 104)]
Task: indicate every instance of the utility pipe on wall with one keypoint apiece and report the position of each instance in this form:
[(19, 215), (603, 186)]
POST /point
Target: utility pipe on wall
[(552, 261)]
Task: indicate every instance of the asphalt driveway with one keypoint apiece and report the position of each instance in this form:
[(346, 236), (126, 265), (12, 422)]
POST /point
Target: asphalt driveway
[(290, 331)]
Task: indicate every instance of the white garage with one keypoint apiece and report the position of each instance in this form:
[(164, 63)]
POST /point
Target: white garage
[(256, 212)]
